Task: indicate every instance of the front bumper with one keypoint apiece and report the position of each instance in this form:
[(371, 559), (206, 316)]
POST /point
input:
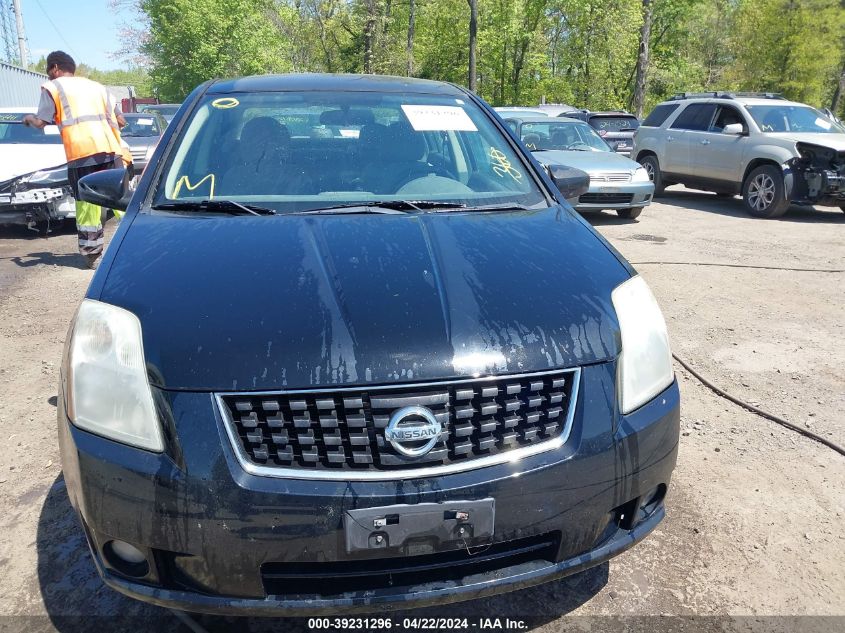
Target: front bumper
[(609, 195), (33, 205), (210, 530)]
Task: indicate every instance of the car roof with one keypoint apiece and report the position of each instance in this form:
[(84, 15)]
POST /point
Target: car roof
[(319, 81), (545, 119), (746, 101), (610, 113), (526, 109)]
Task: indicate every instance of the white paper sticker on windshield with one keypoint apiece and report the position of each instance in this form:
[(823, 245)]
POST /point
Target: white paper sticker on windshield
[(145, 121), (51, 130), (434, 118), (350, 133), (822, 123)]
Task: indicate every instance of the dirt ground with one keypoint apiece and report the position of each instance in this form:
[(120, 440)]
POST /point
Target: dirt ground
[(754, 511)]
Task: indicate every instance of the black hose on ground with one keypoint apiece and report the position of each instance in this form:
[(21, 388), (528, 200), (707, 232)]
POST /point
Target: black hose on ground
[(759, 412)]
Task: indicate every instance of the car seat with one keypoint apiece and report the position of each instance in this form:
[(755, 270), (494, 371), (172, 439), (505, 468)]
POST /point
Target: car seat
[(532, 141), (774, 122), (263, 164)]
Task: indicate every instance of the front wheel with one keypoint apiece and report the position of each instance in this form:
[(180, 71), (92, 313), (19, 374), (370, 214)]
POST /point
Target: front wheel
[(630, 213), (763, 192), (652, 167)]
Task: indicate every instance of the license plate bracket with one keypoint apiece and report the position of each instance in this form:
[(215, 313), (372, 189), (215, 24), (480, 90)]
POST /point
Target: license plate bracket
[(420, 528)]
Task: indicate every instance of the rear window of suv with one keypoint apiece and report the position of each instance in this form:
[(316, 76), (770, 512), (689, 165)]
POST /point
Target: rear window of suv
[(660, 114), (614, 123)]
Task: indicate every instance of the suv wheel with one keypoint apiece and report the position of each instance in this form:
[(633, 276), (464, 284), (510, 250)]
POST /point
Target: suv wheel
[(651, 165), (763, 192), (629, 213)]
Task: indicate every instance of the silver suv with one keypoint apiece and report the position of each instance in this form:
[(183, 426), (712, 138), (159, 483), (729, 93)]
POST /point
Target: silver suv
[(769, 150)]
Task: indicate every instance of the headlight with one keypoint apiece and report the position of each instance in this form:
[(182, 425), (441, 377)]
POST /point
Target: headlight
[(108, 391), (46, 176), (641, 175), (645, 365)]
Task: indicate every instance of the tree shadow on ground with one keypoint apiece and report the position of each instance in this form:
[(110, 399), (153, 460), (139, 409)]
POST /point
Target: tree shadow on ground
[(77, 600), (607, 218), (734, 207)]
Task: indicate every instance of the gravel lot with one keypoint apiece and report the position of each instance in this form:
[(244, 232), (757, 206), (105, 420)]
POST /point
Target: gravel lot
[(754, 511)]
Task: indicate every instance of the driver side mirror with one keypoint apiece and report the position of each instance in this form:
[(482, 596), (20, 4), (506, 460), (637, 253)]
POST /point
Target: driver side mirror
[(108, 188), (570, 181), (736, 129)]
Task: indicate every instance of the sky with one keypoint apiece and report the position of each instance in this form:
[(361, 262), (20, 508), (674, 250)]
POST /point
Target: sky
[(86, 29)]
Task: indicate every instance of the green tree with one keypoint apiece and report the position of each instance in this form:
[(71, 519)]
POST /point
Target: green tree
[(194, 40), (789, 46)]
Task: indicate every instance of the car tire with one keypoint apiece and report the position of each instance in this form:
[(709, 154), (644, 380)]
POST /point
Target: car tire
[(629, 213), (652, 166), (763, 192)]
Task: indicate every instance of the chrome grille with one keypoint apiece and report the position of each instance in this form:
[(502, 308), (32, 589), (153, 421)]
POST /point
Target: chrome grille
[(339, 433), (138, 154), (622, 176)]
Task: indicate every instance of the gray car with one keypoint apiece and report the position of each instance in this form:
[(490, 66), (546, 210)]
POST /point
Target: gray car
[(616, 182), (142, 133)]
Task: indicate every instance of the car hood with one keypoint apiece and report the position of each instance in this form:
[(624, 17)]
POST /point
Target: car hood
[(833, 140), (587, 161), (17, 159), (252, 303)]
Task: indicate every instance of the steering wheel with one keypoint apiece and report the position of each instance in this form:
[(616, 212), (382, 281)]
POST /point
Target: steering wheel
[(421, 172)]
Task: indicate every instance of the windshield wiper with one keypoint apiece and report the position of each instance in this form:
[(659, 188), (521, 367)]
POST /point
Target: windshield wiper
[(385, 207), (504, 206), (215, 206)]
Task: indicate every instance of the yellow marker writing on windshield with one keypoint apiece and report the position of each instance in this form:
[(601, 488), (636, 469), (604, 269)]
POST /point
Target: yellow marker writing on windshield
[(185, 181), (501, 165), (224, 103)]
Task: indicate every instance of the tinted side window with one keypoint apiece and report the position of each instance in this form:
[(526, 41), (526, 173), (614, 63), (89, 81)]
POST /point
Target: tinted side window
[(697, 116), (660, 114), (727, 116)]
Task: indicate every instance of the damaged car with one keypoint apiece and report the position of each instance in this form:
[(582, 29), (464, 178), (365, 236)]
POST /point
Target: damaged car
[(34, 188), (771, 151), (376, 370)]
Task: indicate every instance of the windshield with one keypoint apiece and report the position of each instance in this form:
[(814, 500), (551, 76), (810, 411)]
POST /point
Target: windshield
[(783, 118), (13, 131), (566, 135), (164, 110), (311, 150), (614, 123), (140, 126)]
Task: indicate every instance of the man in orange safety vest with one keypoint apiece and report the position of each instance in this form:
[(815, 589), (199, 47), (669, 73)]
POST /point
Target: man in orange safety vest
[(89, 122)]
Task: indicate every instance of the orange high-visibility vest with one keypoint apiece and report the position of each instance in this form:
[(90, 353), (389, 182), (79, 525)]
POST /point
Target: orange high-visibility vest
[(87, 124)]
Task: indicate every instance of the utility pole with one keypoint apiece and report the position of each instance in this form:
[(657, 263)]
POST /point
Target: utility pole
[(16, 5), (7, 32)]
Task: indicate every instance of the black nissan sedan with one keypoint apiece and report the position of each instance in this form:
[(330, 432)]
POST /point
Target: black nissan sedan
[(351, 350)]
